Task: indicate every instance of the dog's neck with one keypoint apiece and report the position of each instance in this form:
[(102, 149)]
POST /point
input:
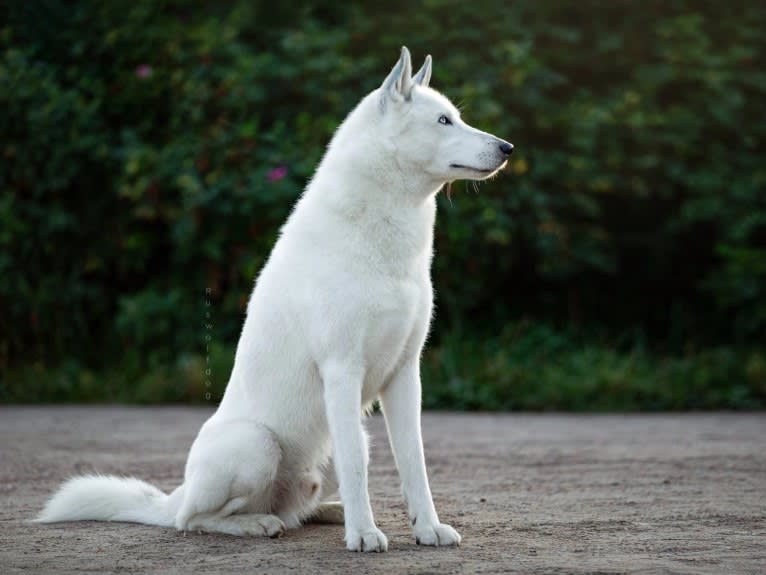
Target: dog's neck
[(393, 226), (372, 199)]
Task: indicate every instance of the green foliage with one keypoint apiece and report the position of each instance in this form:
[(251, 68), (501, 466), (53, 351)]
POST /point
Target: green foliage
[(533, 367), (150, 151)]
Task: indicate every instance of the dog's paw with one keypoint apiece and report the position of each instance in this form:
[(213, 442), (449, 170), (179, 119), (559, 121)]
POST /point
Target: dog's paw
[(437, 534), (328, 512), (367, 540), (260, 525), (272, 526)]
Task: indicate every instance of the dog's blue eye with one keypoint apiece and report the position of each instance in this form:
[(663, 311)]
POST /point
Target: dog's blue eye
[(444, 120)]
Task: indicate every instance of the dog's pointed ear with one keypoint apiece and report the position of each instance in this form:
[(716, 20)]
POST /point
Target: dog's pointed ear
[(398, 84), (423, 77)]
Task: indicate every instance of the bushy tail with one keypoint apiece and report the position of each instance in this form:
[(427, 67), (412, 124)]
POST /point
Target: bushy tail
[(109, 498)]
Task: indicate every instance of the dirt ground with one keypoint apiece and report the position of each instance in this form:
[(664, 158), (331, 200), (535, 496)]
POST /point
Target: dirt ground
[(529, 493)]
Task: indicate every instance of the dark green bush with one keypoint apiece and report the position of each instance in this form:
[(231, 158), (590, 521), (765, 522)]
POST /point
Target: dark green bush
[(530, 366), (150, 151)]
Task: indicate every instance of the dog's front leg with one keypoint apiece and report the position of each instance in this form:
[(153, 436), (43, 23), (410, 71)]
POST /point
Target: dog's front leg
[(400, 401), (343, 404)]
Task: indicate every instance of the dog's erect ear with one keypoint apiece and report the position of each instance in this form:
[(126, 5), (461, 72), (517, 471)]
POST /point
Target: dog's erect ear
[(398, 84), (423, 77)]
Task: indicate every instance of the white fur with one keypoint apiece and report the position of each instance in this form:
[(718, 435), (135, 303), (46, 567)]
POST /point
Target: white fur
[(338, 317), (108, 498)]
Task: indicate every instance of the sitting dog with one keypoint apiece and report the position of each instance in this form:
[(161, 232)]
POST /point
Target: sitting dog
[(338, 318)]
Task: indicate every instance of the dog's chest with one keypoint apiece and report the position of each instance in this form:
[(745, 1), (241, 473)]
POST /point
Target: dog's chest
[(396, 292), (395, 313)]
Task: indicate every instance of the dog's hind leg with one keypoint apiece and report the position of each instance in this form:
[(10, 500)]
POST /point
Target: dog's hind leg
[(229, 481)]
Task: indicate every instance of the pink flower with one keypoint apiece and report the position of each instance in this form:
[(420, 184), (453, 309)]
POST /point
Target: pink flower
[(144, 71), (276, 174)]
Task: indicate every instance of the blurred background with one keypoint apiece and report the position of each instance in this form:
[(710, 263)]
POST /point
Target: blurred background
[(151, 150)]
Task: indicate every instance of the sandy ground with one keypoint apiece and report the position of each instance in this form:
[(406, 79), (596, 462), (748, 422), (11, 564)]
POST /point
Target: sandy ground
[(529, 493)]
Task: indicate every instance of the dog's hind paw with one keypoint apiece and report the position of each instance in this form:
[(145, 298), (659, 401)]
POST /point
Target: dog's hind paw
[(272, 526), (328, 512), (369, 540), (438, 535), (260, 525)]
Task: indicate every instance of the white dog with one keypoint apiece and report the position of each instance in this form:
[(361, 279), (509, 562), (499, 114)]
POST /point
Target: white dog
[(338, 318)]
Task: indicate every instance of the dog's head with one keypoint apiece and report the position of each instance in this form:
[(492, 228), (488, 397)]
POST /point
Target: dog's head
[(427, 133)]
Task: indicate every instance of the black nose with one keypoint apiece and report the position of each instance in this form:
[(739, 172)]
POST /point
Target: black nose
[(506, 148)]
